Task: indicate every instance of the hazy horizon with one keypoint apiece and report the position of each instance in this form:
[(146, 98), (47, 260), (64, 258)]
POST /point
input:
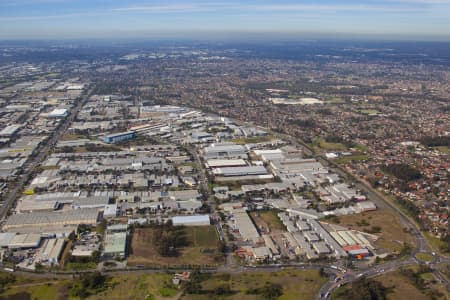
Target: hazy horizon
[(68, 19)]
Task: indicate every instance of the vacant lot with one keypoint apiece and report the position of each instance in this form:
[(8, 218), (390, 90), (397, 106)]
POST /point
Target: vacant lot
[(25, 287), (149, 286), (142, 286), (267, 219), (392, 235), (399, 286), (348, 159), (201, 249), (296, 284)]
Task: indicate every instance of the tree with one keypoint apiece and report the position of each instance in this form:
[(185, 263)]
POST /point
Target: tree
[(366, 289), (271, 291)]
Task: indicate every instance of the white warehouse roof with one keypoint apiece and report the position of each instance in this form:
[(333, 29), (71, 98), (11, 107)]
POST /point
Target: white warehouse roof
[(196, 220), (59, 112)]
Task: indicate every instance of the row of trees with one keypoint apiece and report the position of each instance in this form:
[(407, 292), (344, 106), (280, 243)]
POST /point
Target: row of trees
[(89, 284), (435, 141), (365, 289)]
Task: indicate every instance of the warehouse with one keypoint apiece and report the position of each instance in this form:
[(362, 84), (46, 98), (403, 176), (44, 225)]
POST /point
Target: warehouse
[(5, 238), (115, 245), (119, 137), (245, 226), (50, 252), (225, 151), (197, 220), (25, 241), (366, 206), (220, 163), (29, 205), (270, 244), (58, 113), (10, 130), (72, 217), (261, 253), (240, 171)]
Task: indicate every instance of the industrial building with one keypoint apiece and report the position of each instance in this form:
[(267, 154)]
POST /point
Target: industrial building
[(25, 241), (245, 226), (115, 245), (230, 150), (119, 137), (310, 237), (197, 220), (51, 251), (115, 242), (58, 113), (10, 130), (221, 163), (88, 216), (240, 171)]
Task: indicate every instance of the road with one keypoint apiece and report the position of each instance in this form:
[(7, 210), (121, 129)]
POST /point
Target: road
[(39, 156)]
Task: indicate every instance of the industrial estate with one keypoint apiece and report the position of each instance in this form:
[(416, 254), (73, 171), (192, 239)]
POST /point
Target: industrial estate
[(97, 185)]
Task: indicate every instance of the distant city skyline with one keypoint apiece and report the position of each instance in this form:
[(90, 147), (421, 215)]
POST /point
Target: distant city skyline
[(66, 19)]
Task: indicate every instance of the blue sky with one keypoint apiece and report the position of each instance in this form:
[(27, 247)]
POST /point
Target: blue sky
[(54, 19)]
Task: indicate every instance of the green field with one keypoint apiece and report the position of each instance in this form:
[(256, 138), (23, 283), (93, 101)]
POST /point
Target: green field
[(296, 284), (424, 256), (348, 159), (399, 286), (142, 286), (72, 137), (148, 286), (436, 244), (269, 217), (443, 149), (335, 100), (369, 111), (329, 146), (201, 250)]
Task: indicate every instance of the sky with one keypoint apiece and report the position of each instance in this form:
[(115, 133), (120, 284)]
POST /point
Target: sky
[(66, 19)]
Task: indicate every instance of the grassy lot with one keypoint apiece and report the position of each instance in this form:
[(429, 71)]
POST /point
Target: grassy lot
[(202, 249), (335, 100), (369, 111), (72, 137), (392, 233), (443, 149), (436, 244), (158, 286), (424, 256), (347, 159), (296, 284), (253, 140), (149, 286), (38, 292), (26, 287), (401, 287), (329, 146), (269, 217), (362, 147)]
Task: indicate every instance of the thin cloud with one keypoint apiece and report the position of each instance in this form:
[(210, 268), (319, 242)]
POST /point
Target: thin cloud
[(281, 7)]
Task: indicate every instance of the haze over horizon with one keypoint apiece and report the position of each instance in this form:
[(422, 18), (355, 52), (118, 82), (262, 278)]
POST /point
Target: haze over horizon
[(65, 19)]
